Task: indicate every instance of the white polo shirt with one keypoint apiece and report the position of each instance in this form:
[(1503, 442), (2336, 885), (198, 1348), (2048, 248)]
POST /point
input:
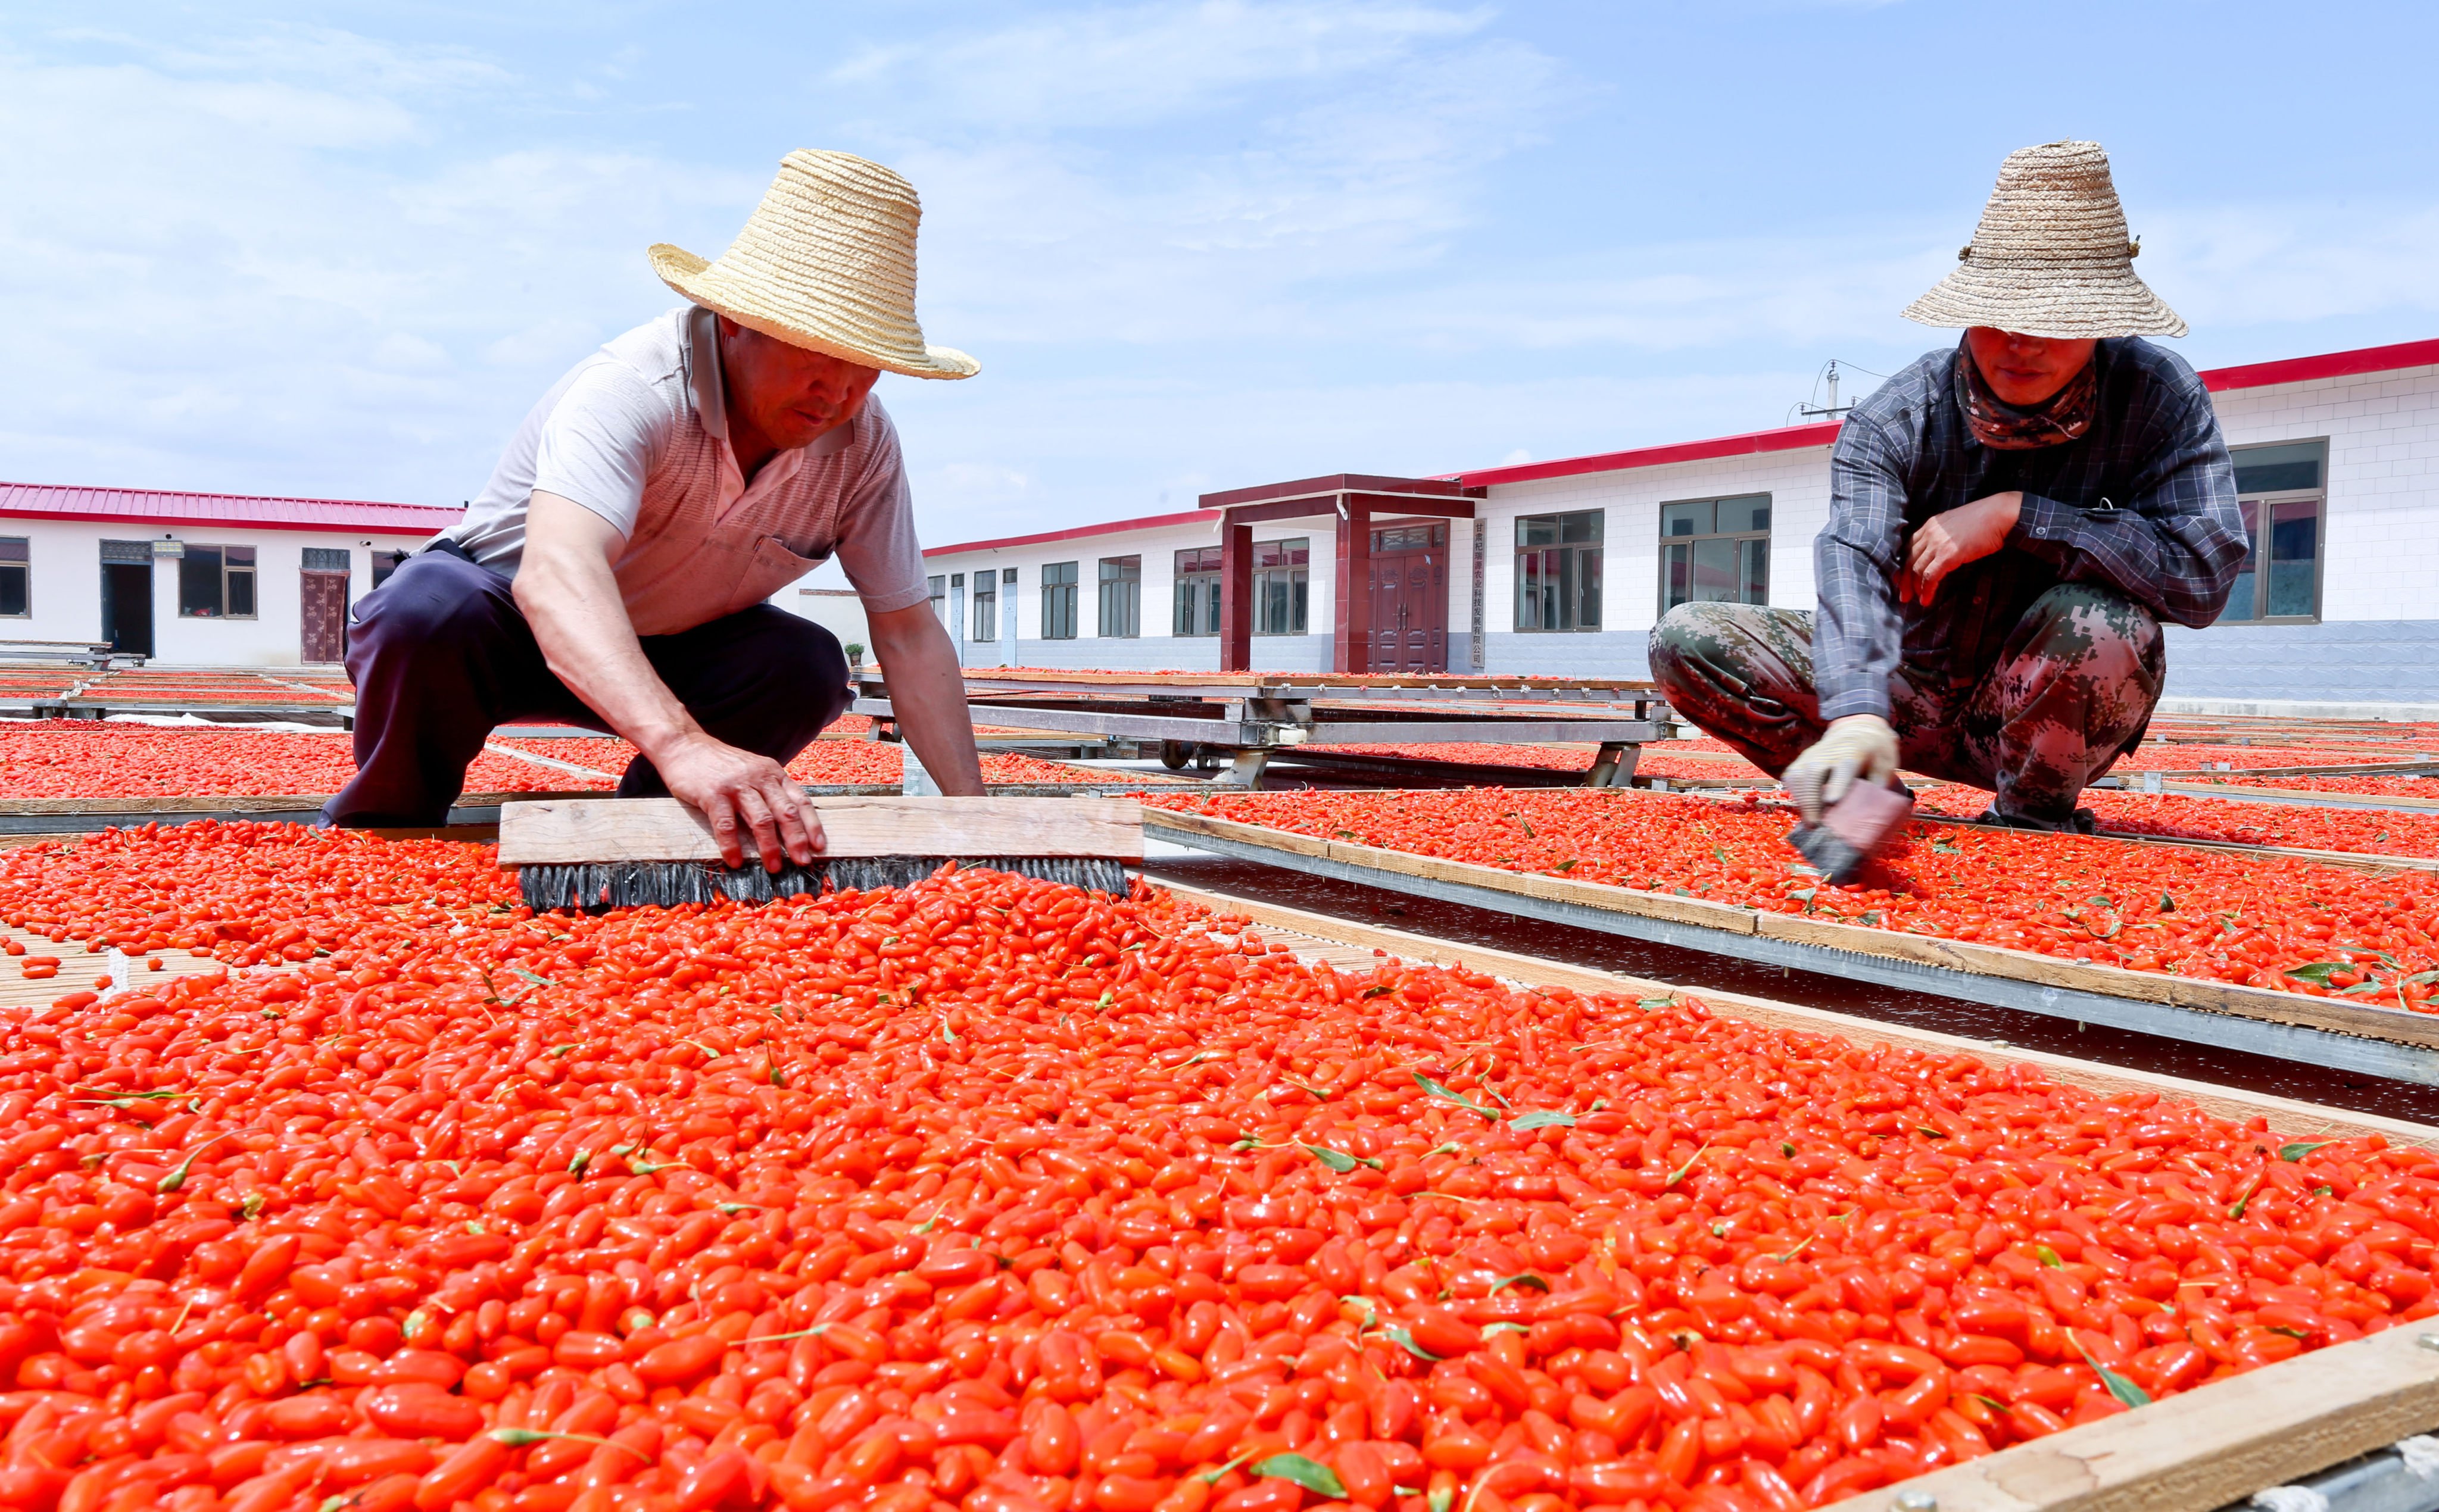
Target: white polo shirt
[(638, 434)]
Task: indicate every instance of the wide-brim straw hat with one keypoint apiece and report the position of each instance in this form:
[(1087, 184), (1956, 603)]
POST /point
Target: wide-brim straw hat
[(2050, 257), (826, 262)]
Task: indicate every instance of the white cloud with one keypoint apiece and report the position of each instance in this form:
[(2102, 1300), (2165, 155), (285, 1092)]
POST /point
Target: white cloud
[(2277, 262), (1139, 64), (1043, 227), (211, 283)]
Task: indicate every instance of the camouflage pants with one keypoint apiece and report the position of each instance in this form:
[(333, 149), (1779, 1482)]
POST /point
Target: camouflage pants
[(2072, 687)]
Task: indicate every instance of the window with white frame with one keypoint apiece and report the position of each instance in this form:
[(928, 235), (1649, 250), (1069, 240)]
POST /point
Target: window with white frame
[(1559, 571), (1121, 597), (1197, 592), (1282, 585), (1059, 600), (2283, 489), (216, 582), (939, 585), (984, 625), (1714, 551)]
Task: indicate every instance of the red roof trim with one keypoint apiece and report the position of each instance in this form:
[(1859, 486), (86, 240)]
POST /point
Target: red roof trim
[(1790, 439), (150, 507), (172, 522), (2329, 365), (1149, 522)]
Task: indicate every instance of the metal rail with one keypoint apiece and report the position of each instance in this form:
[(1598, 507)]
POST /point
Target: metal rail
[(2284, 1041), (1255, 730), (2384, 1481), (1639, 694)]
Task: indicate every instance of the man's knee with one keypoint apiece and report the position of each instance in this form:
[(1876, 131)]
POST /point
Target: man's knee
[(433, 606), (2096, 632), (767, 677), (1697, 636), (788, 649)]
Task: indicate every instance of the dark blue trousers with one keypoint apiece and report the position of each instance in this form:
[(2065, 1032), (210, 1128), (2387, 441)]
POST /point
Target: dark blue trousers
[(441, 655)]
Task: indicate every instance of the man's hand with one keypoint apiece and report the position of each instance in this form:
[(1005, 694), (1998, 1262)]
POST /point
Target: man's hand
[(738, 790), (1946, 542), (1861, 746)]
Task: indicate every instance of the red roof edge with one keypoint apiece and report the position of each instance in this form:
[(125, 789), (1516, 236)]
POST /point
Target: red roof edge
[(190, 508), (180, 522), (2329, 365), (1111, 527), (1788, 439)]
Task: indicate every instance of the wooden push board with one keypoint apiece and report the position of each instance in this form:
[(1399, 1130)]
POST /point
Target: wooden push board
[(573, 831), (2196, 1452), (2327, 1014)]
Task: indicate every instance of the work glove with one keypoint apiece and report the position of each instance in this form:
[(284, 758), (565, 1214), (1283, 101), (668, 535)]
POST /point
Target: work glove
[(1861, 746)]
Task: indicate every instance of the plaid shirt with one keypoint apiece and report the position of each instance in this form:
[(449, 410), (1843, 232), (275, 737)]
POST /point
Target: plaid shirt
[(2143, 502)]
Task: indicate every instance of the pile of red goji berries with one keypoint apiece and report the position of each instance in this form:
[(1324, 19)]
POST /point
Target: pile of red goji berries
[(1656, 761), (88, 759), (996, 1196), (2370, 785), (2290, 925), (2171, 816), (232, 685), (2163, 756)]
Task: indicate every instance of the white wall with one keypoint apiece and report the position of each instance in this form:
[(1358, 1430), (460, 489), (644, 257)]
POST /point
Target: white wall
[(2382, 538), (836, 610), (67, 582), (1796, 482), (1154, 648), (2379, 639)]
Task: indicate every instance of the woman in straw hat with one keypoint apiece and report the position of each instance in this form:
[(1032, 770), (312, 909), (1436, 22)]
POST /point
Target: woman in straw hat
[(613, 572), (2009, 521)]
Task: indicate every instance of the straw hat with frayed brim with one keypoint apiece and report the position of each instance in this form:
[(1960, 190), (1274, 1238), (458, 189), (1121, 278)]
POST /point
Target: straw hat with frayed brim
[(827, 263), (2050, 257)]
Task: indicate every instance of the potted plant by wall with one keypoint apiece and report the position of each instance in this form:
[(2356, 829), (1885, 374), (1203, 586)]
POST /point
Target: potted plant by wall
[(855, 655)]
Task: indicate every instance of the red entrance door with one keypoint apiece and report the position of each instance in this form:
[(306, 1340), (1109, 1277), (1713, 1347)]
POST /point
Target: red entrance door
[(323, 601), (1409, 591)]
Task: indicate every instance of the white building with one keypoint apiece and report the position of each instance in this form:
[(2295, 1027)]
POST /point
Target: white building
[(196, 578), (1563, 567)]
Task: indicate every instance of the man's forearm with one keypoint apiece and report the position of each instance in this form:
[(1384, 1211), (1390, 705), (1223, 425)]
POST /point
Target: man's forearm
[(927, 692), (588, 643)]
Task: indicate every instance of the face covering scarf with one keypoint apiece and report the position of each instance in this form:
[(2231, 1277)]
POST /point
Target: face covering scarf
[(2002, 427)]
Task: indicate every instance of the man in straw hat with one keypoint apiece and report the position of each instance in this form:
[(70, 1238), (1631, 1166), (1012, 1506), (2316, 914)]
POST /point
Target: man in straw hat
[(613, 573), (2009, 521)]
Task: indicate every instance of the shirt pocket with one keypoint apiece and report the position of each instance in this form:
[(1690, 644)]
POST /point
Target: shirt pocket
[(771, 566)]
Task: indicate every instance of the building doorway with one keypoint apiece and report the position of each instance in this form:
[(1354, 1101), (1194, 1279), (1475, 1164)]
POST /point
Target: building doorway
[(1409, 586), (127, 597), (322, 603)]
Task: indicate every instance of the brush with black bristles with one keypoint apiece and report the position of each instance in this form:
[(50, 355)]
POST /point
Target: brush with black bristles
[(591, 854)]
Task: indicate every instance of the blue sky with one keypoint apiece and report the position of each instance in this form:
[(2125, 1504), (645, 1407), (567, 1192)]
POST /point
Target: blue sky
[(340, 249)]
